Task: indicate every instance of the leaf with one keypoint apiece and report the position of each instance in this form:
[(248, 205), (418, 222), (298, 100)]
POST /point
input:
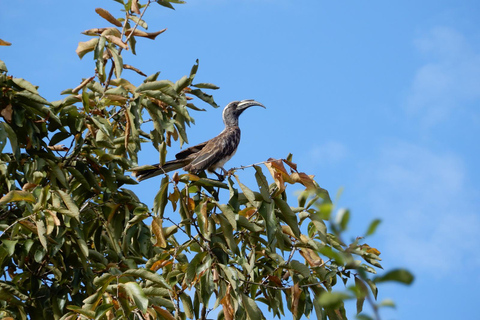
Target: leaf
[(262, 183), (333, 300), (117, 60), (140, 33), (229, 214), (146, 274), (157, 230), (343, 216), (363, 291), (41, 232), (373, 227), (399, 275), (10, 246), (253, 311), (17, 195), (161, 199), (246, 191), (205, 86), (300, 268), (287, 215), (116, 40), (85, 47), (4, 43), (108, 16), (205, 97), (3, 66), (72, 207), (153, 85), (135, 292)]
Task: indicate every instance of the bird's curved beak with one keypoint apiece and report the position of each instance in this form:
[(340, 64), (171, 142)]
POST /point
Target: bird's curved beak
[(244, 104)]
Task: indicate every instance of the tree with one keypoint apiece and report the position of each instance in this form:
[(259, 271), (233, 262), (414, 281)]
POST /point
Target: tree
[(77, 243)]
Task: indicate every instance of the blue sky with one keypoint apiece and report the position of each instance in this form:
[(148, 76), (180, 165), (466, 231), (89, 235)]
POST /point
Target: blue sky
[(378, 98)]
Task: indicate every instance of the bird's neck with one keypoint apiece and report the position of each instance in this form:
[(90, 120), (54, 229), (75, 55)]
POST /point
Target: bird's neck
[(230, 122)]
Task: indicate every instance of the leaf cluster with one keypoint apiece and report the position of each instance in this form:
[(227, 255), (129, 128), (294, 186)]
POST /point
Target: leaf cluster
[(77, 243)]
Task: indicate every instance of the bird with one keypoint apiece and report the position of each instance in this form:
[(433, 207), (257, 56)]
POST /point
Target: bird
[(209, 155)]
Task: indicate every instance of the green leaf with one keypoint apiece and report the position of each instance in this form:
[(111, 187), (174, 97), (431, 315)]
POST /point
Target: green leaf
[(333, 300), (117, 60), (10, 246), (373, 227), (148, 275), (246, 191), (253, 311), (343, 216), (154, 85), (300, 268), (398, 275), (3, 66), (102, 310), (24, 84), (136, 293), (229, 214), (161, 199), (287, 215), (205, 86), (205, 97), (262, 183), (69, 203), (17, 195)]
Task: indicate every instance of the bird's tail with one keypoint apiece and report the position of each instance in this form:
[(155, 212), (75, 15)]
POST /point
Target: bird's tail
[(149, 171)]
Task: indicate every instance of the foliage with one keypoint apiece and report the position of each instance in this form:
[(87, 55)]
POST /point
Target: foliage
[(76, 243)]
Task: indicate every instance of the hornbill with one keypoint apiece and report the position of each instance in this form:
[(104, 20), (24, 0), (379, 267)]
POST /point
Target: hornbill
[(209, 155)]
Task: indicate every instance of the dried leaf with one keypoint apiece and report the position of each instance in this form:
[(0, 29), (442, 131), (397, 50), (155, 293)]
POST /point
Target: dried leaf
[(108, 16), (140, 33), (58, 147), (6, 113), (116, 40), (85, 47), (4, 43), (228, 310), (135, 8), (129, 67), (157, 230)]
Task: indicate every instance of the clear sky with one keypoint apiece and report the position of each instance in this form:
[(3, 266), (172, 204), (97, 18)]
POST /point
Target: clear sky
[(380, 98)]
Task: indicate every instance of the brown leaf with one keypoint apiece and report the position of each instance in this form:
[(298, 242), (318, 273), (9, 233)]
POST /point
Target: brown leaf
[(296, 292), (29, 186), (116, 40), (6, 113), (228, 311), (108, 16), (4, 43), (135, 8), (129, 67), (288, 231), (157, 230), (164, 313), (204, 214), (58, 147), (290, 164), (311, 257), (275, 280), (304, 179), (140, 33), (160, 264), (94, 31), (83, 84)]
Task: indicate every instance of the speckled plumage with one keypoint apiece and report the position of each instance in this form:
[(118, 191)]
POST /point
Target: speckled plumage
[(209, 155)]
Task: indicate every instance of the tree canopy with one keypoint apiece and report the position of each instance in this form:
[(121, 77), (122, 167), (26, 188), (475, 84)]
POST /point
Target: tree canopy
[(76, 243)]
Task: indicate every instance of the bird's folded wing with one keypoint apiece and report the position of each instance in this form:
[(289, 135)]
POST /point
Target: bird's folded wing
[(191, 150)]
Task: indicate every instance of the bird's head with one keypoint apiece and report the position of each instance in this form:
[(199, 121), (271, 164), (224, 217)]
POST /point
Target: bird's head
[(234, 109)]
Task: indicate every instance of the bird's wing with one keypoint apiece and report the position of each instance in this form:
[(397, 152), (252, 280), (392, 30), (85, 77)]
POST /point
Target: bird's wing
[(217, 149), (191, 150)]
